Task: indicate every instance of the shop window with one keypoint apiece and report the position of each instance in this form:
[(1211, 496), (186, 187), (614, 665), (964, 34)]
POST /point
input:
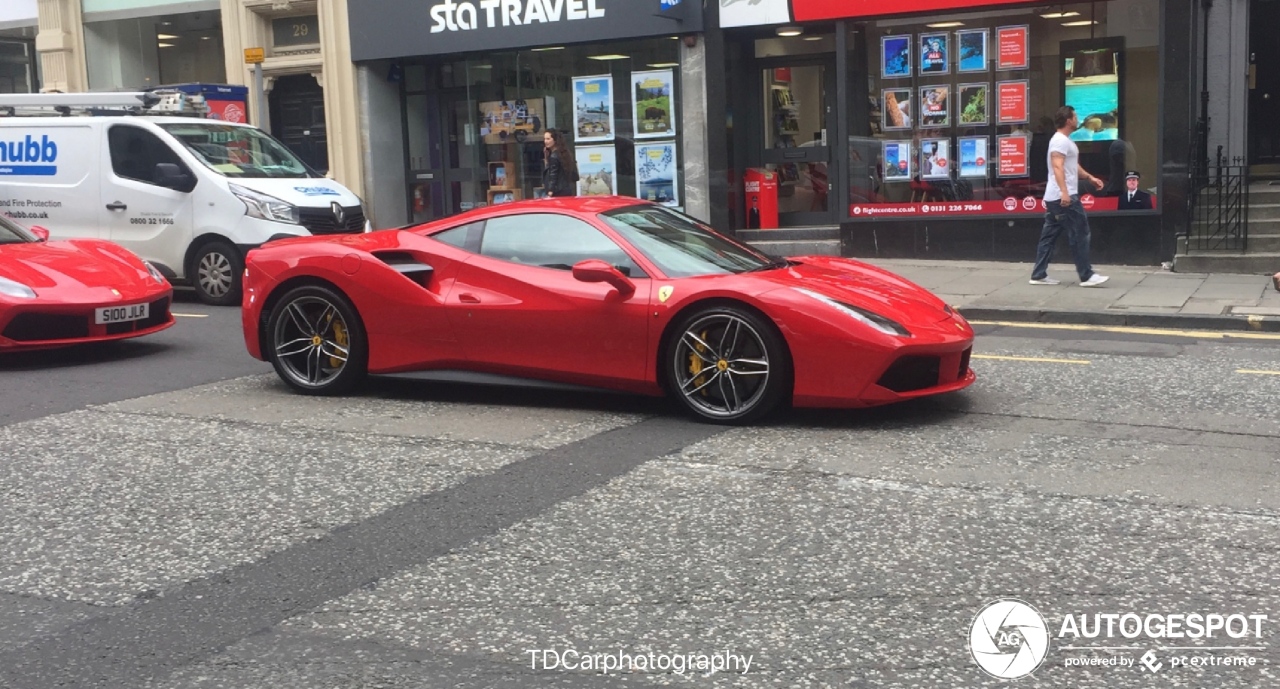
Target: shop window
[(954, 114), (551, 240), (134, 54), (482, 127)]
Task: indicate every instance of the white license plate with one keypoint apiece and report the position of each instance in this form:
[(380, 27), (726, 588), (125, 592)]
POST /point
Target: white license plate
[(120, 314)]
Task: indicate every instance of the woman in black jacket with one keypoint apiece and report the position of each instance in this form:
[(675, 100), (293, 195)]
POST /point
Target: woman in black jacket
[(560, 176)]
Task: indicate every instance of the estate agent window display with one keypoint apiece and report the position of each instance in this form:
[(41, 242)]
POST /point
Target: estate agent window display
[(959, 119)]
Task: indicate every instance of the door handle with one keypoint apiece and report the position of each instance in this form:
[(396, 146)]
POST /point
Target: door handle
[(468, 298), (117, 206)]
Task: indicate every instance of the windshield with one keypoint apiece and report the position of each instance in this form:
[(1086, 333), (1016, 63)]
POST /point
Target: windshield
[(10, 233), (682, 247), (237, 151)]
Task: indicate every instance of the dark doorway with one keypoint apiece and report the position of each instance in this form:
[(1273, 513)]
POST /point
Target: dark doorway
[(297, 119), (1264, 83)]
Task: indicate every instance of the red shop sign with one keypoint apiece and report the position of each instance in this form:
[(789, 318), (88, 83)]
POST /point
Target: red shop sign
[(813, 10)]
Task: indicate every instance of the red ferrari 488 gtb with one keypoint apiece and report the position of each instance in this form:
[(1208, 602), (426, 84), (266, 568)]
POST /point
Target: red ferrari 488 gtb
[(606, 292), (54, 294)]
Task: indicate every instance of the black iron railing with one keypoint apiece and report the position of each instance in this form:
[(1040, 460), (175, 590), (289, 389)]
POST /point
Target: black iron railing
[(1219, 206)]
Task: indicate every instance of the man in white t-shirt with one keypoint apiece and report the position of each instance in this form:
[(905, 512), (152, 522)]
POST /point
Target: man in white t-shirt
[(1062, 204)]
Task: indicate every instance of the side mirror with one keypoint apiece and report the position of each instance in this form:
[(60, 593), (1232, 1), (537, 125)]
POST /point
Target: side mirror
[(171, 176), (40, 233), (595, 270)]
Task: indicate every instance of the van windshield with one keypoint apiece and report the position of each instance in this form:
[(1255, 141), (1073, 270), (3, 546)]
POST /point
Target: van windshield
[(237, 151)]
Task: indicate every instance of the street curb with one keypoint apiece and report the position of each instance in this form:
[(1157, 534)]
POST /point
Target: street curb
[(1263, 324)]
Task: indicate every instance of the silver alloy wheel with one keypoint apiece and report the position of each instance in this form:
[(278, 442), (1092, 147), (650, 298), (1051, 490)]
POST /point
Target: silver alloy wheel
[(312, 342), (215, 274), (721, 366)]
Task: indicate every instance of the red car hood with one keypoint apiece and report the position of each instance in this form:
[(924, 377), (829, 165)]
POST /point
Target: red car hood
[(864, 286), (73, 265)]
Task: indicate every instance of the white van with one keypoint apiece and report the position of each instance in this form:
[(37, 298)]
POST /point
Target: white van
[(190, 195)]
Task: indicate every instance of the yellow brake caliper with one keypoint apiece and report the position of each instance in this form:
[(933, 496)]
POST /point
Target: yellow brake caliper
[(695, 363), (340, 337)]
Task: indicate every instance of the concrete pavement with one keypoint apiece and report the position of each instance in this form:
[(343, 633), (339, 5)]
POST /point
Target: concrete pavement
[(1134, 296)]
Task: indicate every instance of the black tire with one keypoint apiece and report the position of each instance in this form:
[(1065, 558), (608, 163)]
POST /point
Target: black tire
[(745, 351), (216, 271), (305, 339)]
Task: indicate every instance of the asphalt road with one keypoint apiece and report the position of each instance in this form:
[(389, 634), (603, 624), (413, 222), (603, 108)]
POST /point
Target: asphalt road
[(203, 346), (232, 534)]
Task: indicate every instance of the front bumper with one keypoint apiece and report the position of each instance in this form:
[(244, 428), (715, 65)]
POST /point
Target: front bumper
[(45, 325)]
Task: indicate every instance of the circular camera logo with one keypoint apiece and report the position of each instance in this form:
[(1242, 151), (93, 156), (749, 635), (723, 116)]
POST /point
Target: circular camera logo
[(1009, 639)]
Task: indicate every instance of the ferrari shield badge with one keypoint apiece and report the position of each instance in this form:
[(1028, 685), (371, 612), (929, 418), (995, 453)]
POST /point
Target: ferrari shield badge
[(664, 293)]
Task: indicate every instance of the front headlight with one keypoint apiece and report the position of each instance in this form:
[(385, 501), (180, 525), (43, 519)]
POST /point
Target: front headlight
[(9, 288), (151, 270), (265, 207), (868, 318)]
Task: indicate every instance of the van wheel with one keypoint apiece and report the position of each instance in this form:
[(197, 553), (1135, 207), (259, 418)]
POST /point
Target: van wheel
[(216, 272)]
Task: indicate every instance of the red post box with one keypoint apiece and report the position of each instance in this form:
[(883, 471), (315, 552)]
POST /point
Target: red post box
[(762, 198)]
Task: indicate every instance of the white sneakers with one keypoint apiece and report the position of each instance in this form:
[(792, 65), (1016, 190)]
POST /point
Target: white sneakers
[(1093, 281)]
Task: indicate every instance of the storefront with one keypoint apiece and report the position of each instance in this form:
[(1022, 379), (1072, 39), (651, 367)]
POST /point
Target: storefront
[(141, 44), (18, 65), (479, 83), (926, 134)]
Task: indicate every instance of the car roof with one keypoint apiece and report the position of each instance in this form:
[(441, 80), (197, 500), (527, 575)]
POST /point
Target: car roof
[(574, 204)]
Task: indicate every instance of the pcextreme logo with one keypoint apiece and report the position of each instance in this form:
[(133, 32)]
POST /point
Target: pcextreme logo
[(462, 15)]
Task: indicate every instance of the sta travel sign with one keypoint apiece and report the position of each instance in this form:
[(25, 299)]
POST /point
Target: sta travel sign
[(404, 28), (758, 12)]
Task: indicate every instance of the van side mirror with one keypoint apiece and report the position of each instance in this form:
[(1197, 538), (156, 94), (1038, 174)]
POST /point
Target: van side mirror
[(170, 176), (40, 233)]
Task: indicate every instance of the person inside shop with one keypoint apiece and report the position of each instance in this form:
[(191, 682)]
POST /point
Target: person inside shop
[(560, 171), (1134, 199)]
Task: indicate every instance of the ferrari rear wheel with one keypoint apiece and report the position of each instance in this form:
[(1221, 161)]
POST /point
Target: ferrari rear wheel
[(317, 343), (727, 365)]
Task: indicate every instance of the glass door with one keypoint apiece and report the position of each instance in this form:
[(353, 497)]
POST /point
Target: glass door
[(797, 99)]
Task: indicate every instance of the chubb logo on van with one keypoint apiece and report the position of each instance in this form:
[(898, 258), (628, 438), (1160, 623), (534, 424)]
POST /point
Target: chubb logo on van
[(29, 156)]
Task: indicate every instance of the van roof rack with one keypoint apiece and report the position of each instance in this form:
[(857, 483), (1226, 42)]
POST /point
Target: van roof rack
[(165, 102)]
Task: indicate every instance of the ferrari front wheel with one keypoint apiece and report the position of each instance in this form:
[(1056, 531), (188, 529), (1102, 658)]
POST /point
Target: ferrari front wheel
[(726, 364), (316, 341)]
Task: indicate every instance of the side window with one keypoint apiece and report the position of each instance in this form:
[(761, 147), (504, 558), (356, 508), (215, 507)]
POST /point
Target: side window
[(551, 240), (465, 237), (135, 152)]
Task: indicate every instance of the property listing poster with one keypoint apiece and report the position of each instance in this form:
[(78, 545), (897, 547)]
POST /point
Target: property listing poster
[(597, 170), (655, 114), (1013, 155), (1012, 102), (897, 160), (973, 156), (935, 159), (1011, 47), (972, 46), (593, 108), (657, 177), (935, 106)]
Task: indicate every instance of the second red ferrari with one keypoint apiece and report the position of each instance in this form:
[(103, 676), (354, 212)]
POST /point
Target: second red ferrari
[(604, 292), (54, 294)]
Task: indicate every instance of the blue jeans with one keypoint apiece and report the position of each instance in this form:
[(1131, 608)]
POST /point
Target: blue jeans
[(1076, 223)]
